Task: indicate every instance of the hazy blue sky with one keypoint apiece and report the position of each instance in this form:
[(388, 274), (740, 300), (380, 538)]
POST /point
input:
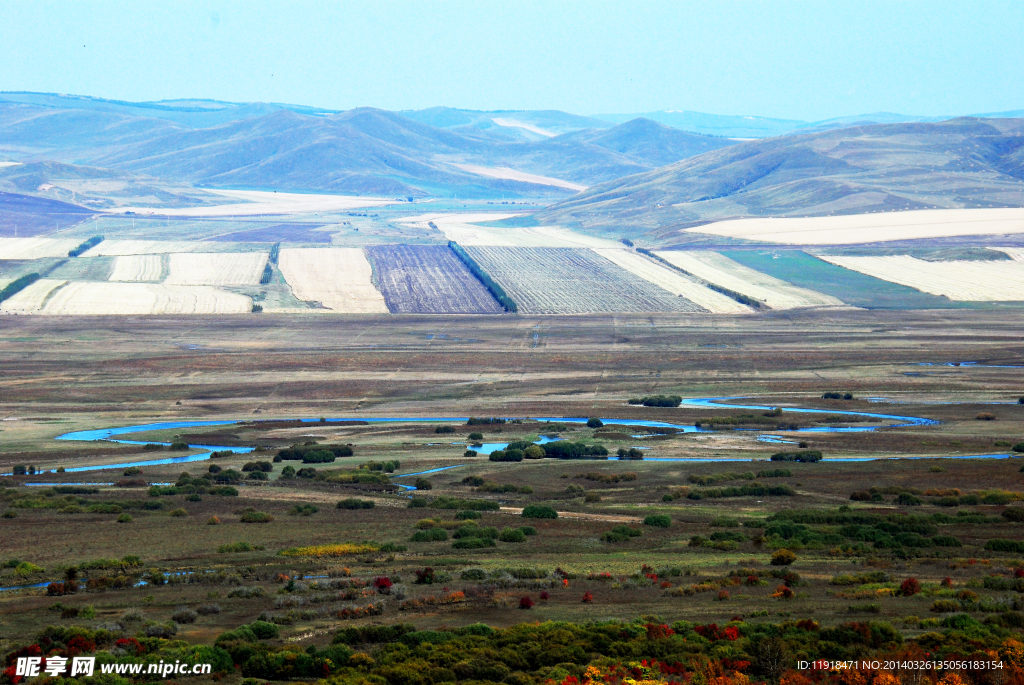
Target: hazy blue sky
[(803, 60)]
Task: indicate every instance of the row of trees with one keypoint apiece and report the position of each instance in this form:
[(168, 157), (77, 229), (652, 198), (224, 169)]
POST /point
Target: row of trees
[(496, 290)]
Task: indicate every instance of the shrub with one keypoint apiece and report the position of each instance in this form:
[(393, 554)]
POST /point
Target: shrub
[(1015, 514), (657, 400), (445, 429), (1019, 447), (592, 497), (907, 499), (774, 473), (353, 503), (264, 466), (588, 597), (474, 574), (184, 615), (416, 502), (941, 606), (213, 521), (658, 520), (258, 475), (806, 456), (476, 436), (512, 535), (539, 511), (256, 517), (178, 512), (303, 510), (783, 557), (470, 453), (629, 454), (525, 603), (124, 518), (179, 446), (506, 455), (528, 530), (985, 416), (594, 423), (621, 533), (423, 484), (430, 535), (467, 515), (473, 543)]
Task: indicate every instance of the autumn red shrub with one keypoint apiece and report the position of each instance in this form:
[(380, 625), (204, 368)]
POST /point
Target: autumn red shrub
[(753, 580), (658, 631), (544, 595), (525, 603), (383, 584), (946, 582), (587, 597), (723, 595), (910, 587)]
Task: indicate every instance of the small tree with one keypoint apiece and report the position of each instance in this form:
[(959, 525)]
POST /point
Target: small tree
[(594, 422)]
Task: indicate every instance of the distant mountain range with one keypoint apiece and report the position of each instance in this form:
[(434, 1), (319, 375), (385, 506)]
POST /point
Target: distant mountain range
[(362, 151), (966, 162)]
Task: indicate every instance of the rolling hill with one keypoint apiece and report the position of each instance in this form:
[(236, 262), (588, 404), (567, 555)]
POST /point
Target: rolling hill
[(960, 163), (363, 151)]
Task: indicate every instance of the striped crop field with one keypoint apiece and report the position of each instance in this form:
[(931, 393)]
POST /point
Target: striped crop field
[(104, 298), (572, 281), (428, 279), (978, 281), (673, 281), (720, 270), (36, 248), (119, 248), (216, 268), (142, 267), (32, 298), (339, 278)]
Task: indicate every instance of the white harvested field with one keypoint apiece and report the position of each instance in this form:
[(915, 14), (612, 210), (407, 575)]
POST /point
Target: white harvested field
[(869, 228), (32, 298), (37, 248), (512, 175), (673, 281), (98, 299), (119, 248), (216, 268), (720, 270), (1015, 253), (984, 281), (462, 229), (339, 278), (572, 281), (258, 202), (142, 267)]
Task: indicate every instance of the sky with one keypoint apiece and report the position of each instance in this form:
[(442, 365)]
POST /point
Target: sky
[(784, 59)]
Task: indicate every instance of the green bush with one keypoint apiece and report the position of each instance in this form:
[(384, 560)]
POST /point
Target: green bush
[(594, 423), (430, 535), (473, 543), (418, 502), (466, 515), (512, 535), (783, 557), (806, 456), (353, 503), (658, 520), (423, 484), (621, 533), (255, 517), (658, 400), (539, 511), (124, 518)]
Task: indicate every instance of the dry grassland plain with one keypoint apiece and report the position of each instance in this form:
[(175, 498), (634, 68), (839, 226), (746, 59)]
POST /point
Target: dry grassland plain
[(572, 281), (30, 300), (36, 248), (868, 228), (148, 267), (118, 248), (259, 202), (979, 281), (673, 281), (216, 268), (512, 175), (720, 270), (92, 299), (338, 278)]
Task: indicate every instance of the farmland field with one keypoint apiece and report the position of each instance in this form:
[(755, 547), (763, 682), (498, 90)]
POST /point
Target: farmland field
[(572, 281), (117, 248), (673, 281), (36, 248), (428, 279), (958, 280), (463, 229), (853, 288), (31, 299), (338, 278), (868, 228), (720, 270), (216, 268), (94, 298), (148, 267)]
